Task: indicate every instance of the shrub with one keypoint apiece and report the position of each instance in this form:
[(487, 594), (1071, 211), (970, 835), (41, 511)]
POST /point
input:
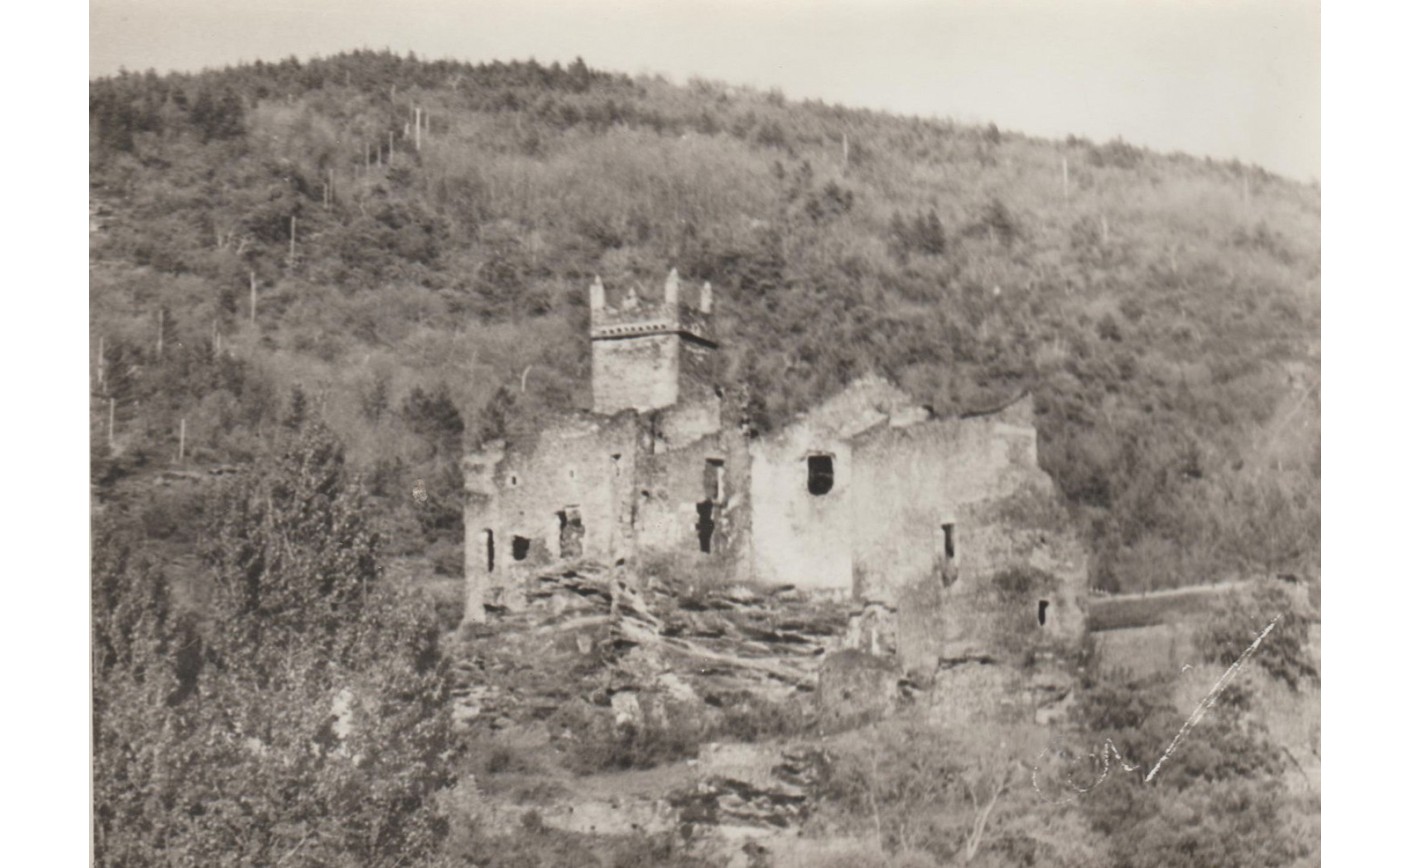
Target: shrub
[(1019, 581), (594, 742), (1242, 616)]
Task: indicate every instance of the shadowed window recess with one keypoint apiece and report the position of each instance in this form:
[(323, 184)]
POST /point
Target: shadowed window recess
[(570, 533), (819, 474)]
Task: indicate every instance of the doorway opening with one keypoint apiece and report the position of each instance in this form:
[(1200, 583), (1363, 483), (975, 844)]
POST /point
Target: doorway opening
[(705, 524)]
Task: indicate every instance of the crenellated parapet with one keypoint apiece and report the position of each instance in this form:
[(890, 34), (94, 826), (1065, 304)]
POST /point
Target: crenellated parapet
[(633, 315)]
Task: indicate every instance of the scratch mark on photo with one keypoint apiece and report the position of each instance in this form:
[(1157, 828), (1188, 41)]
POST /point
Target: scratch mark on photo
[(1108, 750)]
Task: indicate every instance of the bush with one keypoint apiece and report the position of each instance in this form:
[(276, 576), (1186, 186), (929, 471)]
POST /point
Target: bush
[(1283, 653), (593, 741)]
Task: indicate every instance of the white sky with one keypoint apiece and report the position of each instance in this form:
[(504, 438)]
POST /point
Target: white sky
[(1232, 78)]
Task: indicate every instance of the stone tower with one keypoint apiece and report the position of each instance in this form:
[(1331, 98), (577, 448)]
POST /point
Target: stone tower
[(650, 353)]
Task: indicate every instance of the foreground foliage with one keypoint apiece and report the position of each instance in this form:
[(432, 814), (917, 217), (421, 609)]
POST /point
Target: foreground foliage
[(1012, 795), (301, 719)]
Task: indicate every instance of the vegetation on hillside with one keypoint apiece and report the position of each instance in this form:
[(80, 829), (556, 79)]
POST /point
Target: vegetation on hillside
[(1164, 310)]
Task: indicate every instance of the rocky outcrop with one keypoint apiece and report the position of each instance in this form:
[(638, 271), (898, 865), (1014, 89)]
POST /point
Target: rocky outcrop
[(613, 639)]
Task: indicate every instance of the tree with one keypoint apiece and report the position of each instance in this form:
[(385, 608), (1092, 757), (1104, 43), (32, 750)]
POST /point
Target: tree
[(1220, 800), (916, 788), (316, 727), (219, 116)]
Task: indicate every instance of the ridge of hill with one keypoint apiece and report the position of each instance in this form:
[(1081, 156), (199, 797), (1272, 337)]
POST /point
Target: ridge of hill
[(403, 247)]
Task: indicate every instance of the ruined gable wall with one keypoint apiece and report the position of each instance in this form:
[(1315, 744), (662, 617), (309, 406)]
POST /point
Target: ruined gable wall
[(1014, 549), (565, 467), (798, 537), (636, 372), (912, 481)]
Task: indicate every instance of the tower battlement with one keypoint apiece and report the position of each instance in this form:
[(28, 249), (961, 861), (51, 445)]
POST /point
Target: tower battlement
[(634, 315), (645, 350)]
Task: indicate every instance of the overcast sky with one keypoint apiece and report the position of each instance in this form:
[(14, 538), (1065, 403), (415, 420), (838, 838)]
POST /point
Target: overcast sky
[(1226, 78)]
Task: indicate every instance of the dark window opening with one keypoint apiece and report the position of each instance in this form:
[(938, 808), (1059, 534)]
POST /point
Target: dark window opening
[(513, 481), (705, 524), (570, 533), (1042, 612), (489, 550), (949, 568), (519, 548), (819, 474)]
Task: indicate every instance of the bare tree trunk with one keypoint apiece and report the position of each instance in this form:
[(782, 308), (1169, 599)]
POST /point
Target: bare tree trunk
[(181, 444), (981, 818), (875, 810)]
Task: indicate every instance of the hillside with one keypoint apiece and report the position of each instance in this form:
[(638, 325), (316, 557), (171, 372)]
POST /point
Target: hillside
[(420, 285)]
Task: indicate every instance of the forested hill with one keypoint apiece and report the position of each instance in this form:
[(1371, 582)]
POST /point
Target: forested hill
[(1163, 309)]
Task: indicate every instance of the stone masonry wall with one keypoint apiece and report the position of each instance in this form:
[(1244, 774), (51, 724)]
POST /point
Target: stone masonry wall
[(798, 537), (569, 486), (640, 373), (804, 538), (696, 498), (1017, 597), (911, 485)]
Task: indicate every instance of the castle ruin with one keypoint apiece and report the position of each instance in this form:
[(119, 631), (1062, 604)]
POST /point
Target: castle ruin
[(945, 530)]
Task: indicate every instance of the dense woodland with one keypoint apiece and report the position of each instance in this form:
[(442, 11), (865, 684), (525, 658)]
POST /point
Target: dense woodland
[(292, 276)]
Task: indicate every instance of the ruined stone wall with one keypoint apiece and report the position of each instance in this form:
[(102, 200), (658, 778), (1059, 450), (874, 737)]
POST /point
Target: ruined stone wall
[(959, 530), (698, 370), (1017, 598), (695, 498), (799, 537), (804, 538), (911, 486), (679, 426), (564, 494)]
